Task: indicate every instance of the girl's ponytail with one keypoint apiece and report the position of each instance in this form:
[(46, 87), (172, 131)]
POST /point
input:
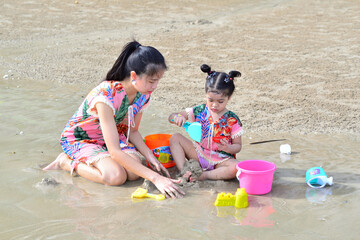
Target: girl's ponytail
[(205, 68), (138, 58), (219, 82), (234, 74), (118, 71)]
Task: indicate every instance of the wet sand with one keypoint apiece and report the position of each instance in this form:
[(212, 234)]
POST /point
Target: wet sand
[(300, 82)]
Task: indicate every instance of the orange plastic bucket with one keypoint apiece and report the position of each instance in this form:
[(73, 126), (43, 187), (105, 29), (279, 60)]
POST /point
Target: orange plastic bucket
[(159, 145)]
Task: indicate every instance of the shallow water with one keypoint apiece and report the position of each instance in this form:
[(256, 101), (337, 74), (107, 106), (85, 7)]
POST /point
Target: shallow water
[(33, 115)]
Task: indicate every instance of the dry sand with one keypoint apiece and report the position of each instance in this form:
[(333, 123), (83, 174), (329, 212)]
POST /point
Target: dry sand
[(300, 60)]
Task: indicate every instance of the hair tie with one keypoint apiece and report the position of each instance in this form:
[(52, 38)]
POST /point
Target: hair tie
[(211, 73), (228, 78)]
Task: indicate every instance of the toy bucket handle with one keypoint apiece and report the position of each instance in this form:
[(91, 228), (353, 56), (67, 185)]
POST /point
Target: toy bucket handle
[(238, 173)]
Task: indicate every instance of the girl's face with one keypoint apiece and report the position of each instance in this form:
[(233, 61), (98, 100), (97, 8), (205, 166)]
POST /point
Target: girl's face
[(216, 102), (146, 84)]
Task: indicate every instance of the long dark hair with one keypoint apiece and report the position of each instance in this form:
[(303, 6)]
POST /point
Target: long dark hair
[(219, 82), (135, 57)]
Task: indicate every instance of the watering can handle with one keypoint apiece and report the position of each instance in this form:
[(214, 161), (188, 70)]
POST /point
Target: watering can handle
[(185, 124)]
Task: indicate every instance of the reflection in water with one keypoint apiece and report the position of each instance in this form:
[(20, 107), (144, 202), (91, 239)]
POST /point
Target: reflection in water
[(256, 215), (318, 195), (285, 157)]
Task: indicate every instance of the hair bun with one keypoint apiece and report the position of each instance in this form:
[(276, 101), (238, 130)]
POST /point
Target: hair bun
[(205, 68), (234, 74)]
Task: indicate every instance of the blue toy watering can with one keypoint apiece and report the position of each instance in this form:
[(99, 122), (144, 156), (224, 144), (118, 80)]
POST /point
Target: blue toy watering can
[(316, 178), (193, 129)]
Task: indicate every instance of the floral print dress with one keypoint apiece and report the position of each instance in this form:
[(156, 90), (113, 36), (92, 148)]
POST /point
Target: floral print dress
[(227, 127), (82, 139)]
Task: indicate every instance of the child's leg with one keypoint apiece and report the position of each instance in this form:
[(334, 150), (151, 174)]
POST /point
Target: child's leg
[(105, 171), (181, 147), (64, 162), (111, 173), (222, 171), (55, 165)]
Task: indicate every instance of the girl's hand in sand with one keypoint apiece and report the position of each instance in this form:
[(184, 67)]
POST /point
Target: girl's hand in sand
[(168, 187), (157, 166)]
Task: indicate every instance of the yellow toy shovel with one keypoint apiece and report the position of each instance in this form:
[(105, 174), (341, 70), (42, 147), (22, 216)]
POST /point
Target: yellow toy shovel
[(142, 193)]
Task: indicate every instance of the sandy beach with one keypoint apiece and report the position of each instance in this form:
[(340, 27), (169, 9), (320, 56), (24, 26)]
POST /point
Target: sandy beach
[(299, 60)]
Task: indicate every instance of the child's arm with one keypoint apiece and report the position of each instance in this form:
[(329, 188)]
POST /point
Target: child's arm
[(111, 137), (136, 139), (178, 118), (232, 148)]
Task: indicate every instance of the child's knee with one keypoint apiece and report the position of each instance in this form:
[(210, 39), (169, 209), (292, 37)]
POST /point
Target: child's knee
[(115, 177), (175, 138), (232, 168)]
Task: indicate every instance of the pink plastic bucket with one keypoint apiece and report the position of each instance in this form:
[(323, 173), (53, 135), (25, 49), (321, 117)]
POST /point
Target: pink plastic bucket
[(256, 176)]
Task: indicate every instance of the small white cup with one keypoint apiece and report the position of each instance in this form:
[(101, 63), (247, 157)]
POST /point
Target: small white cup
[(285, 148)]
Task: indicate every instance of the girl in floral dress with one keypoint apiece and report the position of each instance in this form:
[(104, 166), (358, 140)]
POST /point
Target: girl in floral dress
[(221, 130), (101, 142)]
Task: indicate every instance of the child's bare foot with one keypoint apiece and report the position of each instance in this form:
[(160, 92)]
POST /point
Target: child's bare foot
[(55, 165), (184, 178), (193, 166), (193, 179), (187, 176)]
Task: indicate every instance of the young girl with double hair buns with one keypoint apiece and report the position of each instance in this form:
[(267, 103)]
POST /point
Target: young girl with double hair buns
[(221, 130), (101, 142)]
